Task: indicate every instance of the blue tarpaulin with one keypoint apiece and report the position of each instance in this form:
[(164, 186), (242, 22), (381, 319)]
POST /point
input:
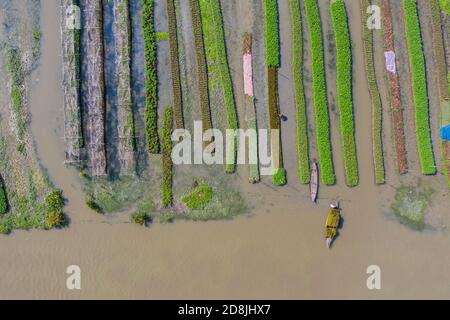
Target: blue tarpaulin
[(445, 133)]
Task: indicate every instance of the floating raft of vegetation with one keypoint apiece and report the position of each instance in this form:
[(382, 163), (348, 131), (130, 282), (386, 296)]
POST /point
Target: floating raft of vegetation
[(124, 98), (151, 77), (70, 38), (394, 89), (272, 44), (175, 65), (202, 71), (299, 94), (218, 70), (167, 165), (441, 66), (320, 93), (377, 108), (93, 19), (419, 87), (344, 90), (250, 111)]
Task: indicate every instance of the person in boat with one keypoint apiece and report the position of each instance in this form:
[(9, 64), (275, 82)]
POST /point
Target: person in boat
[(332, 223)]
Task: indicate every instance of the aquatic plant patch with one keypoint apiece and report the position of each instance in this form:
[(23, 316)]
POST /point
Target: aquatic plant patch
[(344, 90), (419, 86), (410, 205), (299, 94), (198, 197), (151, 77), (271, 36), (319, 93)]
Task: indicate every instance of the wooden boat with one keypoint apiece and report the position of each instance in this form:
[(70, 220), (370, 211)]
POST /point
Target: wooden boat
[(314, 183), (332, 223)]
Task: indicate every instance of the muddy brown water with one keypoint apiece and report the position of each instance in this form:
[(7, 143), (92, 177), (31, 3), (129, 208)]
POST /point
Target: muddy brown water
[(276, 252)]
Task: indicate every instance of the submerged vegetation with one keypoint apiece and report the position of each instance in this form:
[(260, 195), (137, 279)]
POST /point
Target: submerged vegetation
[(344, 90), (299, 94), (320, 93), (419, 86), (410, 205)]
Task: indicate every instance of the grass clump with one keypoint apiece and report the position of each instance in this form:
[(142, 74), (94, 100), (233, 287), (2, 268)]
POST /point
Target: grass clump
[(141, 218), (279, 177), (198, 197), (272, 36), (320, 93), (344, 90), (93, 205), (151, 80), (299, 94), (419, 86), (167, 165), (162, 36)]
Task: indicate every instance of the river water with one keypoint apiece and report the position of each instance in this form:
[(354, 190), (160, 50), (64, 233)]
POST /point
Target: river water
[(277, 251)]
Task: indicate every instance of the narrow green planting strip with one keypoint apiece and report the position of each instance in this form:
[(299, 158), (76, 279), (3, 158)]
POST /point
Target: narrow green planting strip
[(225, 77), (202, 71), (279, 175), (15, 69), (419, 86), (344, 90), (377, 110), (175, 65), (299, 94), (151, 80), (320, 93), (3, 198), (167, 165), (272, 46), (272, 36)]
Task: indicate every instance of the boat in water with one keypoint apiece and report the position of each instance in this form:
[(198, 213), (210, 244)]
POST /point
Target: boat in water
[(332, 223), (314, 183)]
